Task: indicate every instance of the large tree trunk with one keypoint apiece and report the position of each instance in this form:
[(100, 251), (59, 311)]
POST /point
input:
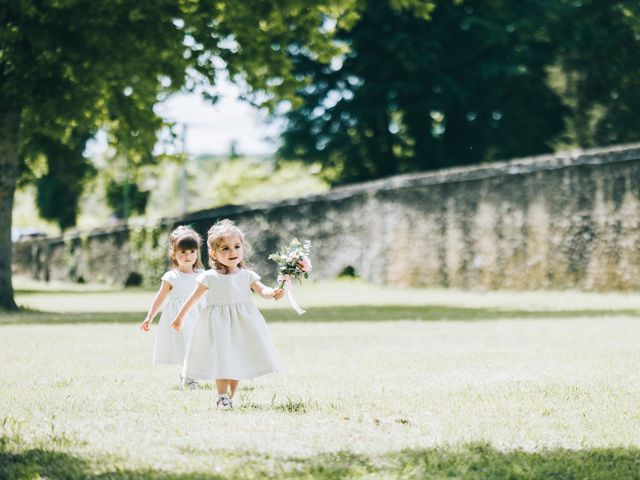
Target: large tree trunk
[(9, 126)]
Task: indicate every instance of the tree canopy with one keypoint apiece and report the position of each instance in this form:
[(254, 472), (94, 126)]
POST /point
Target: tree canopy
[(598, 70), (373, 87), (70, 67), (472, 81)]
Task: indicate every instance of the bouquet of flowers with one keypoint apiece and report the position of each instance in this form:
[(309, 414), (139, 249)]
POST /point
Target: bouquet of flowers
[(294, 263)]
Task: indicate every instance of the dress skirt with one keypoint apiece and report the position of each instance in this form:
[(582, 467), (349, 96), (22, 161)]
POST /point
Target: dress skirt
[(171, 346), (231, 342)]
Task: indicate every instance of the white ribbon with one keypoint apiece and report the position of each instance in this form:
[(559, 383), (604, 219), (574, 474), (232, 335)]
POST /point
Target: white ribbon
[(285, 280)]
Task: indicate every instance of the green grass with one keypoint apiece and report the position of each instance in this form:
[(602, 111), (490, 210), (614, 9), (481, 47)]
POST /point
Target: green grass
[(355, 313), (410, 384), (474, 461)]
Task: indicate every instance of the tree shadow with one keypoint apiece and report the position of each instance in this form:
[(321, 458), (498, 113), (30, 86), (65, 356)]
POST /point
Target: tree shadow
[(27, 316), (475, 461), (429, 313), (40, 463), (352, 313)]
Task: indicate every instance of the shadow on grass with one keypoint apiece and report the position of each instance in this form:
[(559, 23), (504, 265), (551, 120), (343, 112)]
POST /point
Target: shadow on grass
[(368, 313), (25, 316), (471, 461), (83, 289), (358, 313)]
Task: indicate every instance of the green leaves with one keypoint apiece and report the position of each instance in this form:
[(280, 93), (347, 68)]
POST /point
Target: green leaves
[(423, 88), (72, 65), (599, 72)]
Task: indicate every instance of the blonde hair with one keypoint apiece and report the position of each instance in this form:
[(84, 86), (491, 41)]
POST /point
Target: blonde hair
[(215, 236), (185, 238)]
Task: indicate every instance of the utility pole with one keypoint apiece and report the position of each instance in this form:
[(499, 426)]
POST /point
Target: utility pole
[(183, 180), (183, 175)]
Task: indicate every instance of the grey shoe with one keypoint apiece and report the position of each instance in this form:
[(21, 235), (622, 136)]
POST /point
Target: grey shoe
[(189, 383), (224, 402)]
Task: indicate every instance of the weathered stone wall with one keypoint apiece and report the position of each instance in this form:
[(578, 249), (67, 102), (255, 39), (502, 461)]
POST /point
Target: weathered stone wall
[(563, 221)]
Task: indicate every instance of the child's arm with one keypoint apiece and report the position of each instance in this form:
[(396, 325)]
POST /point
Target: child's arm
[(267, 292), (188, 304), (165, 288)]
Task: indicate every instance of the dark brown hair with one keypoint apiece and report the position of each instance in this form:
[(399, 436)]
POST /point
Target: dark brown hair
[(185, 238)]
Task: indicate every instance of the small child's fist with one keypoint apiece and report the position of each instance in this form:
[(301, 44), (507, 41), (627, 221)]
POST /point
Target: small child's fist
[(177, 326), (278, 293), (144, 326)]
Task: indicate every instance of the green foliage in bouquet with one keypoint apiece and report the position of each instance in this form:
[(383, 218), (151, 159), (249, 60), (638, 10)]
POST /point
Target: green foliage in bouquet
[(293, 261)]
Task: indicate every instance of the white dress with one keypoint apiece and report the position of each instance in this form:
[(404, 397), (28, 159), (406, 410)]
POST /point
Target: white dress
[(231, 339), (171, 345)]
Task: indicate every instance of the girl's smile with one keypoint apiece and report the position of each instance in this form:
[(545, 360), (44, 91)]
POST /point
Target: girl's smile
[(229, 252)]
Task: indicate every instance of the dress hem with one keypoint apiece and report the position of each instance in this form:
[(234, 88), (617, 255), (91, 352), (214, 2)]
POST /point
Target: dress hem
[(202, 376)]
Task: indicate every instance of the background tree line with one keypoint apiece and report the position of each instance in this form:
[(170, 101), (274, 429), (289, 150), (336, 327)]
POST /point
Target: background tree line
[(472, 81), (369, 88), (71, 67)]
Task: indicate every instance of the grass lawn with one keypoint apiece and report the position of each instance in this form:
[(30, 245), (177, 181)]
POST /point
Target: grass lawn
[(379, 383)]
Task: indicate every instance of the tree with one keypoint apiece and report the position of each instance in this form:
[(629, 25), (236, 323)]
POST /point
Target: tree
[(126, 198), (599, 70), (59, 187), (69, 67), (467, 84)]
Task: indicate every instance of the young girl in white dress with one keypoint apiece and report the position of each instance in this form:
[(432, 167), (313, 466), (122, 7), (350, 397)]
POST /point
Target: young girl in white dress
[(231, 341), (177, 284)]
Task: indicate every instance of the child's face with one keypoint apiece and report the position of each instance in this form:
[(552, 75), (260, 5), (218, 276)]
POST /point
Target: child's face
[(186, 259), (229, 252)]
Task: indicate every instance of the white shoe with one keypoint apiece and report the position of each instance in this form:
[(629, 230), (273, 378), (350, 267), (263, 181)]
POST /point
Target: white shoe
[(189, 383)]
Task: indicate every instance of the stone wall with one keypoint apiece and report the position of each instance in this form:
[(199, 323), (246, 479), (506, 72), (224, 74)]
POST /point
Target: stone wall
[(559, 221)]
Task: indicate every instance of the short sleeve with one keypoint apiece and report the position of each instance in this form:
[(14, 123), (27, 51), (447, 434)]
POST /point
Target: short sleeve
[(253, 277), (169, 277), (202, 279)]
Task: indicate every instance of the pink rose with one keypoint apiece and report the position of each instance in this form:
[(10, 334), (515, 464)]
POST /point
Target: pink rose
[(305, 264)]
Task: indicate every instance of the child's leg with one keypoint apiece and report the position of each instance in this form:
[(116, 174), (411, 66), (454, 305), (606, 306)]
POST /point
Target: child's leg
[(226, 386), (222, 386), (233, 384)]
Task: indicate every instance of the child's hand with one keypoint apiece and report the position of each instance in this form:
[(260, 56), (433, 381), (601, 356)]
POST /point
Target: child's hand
[(146, 325), (177, 325), (278, 293)]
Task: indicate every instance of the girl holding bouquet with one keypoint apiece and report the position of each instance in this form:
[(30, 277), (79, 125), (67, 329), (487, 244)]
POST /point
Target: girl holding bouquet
[(231, 341), (293, 264)]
